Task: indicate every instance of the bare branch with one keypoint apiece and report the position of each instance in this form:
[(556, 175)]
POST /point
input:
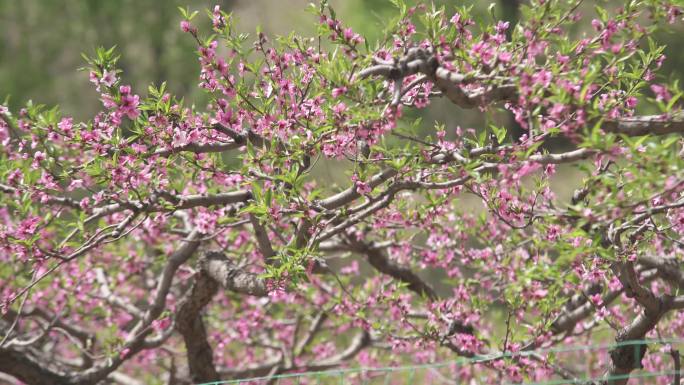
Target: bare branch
[(360, 341), (231, 277), (645, 125), (28, 369), (350, 194), (262, 239), (314, 328), (198, 148), (566, 157), (677, 377), (377, 258), (123, 379)]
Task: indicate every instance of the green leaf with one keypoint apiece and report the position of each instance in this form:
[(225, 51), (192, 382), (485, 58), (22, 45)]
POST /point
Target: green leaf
[(603, 15), (256, 192), (482, 138), (499, 132), (532, 149)]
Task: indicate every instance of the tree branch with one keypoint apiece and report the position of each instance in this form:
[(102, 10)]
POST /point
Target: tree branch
[(190, 325), (645, 125), (383, 264), (262, 239), (420, 60), (231, 277), (25, 367)]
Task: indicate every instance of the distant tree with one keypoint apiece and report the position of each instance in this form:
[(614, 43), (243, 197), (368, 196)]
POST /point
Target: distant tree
[(163, 242)]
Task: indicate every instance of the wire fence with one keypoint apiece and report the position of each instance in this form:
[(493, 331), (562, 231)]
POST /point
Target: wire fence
[(464, 371)]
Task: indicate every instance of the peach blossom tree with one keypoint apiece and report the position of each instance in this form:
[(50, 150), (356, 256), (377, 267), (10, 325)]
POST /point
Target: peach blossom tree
[(167, 242)]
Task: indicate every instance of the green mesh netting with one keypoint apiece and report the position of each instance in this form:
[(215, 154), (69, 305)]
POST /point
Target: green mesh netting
[(447, 372)]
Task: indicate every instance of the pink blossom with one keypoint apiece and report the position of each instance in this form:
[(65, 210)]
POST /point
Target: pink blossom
[(631, 102), (108, 78), (27, 227), (351, 269), (672, 13), (162, 324), (505, 56), (75, 184), (217, 19), (224, 117), (66, 124), (661, 92), (553, 233), (187, 27), (129, 103), (336, 92), (361, 187), (501, 27), (205, 221), (542, 77), (514, 373), (339, 108), (14, 177), (92, 77), (38, 157), (108, 101)]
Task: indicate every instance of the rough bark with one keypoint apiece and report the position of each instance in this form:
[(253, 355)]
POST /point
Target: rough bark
[(190, 325), (28, 369), (215, 271)]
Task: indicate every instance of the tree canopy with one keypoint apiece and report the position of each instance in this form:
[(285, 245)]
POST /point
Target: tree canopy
[(166, 241)]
